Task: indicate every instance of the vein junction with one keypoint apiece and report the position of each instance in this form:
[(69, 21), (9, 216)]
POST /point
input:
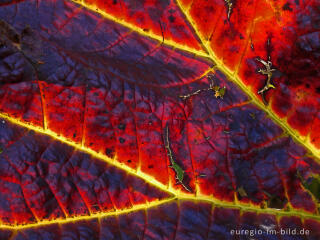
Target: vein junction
[(175, 193), (210, 55)]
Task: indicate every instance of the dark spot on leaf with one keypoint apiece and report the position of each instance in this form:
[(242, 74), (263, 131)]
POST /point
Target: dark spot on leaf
[(26, 30), (241, 36), (150, 166), (110, 152), (121, 140), (276, 202), (318, 90), (8, 31), (129, 161), (287, 7), (263, 205), (171, 18), (114, 1), (313, 185), (74, 135), (95, 207), (287, 82), (122, 126), (241, 193)]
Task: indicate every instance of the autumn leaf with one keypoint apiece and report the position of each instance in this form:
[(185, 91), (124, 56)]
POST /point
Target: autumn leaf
[(126, 120), (43, 179), (284, 33), (174, 220)]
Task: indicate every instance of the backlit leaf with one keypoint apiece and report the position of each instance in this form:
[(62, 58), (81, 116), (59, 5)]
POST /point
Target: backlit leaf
[(137, 119)]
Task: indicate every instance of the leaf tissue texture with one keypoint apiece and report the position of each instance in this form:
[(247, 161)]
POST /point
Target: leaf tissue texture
[(43, 179), (161, 18), (284, 32), (88, 100), (105, 95), (174, 220)]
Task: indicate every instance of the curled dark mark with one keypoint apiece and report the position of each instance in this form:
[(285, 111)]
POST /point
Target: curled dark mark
[(161, 31)]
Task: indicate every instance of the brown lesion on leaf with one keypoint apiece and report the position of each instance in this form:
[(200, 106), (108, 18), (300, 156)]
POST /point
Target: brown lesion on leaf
[(179, 172), (274, 201), (9, 34), (268, 71), (218, 91), (184, 97), (25, 42), (110, 152), (252, 115), (311, 184), (242, 192), (229, 5), (301, 94)]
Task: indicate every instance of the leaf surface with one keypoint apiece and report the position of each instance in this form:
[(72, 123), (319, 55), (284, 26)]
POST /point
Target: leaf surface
[(285, 33), (44, 179), (100, 96), (174, 220)]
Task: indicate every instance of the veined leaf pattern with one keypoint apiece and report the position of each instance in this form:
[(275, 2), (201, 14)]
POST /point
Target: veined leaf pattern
[(88, 92)]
